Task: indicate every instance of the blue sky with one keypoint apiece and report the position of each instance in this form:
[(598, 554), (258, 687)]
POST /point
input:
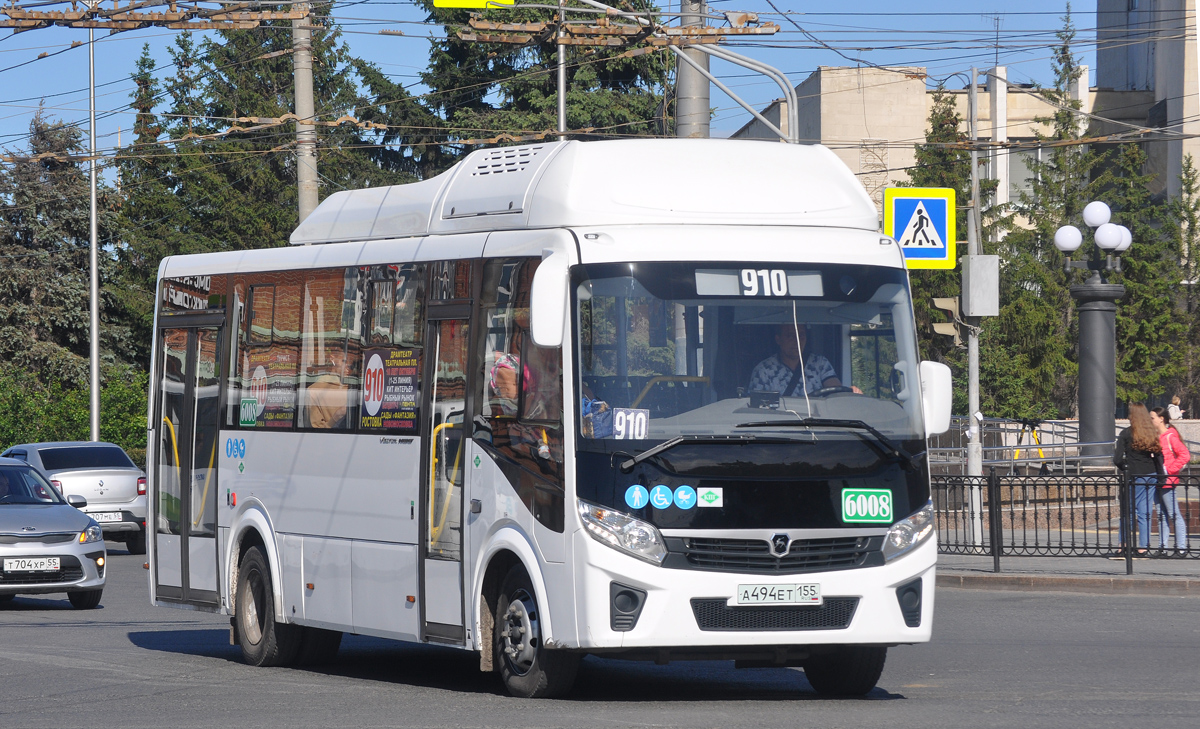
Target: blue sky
[(947, 37)]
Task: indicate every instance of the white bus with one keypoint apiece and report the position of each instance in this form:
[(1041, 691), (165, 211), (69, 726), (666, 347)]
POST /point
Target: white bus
[(655, 400)]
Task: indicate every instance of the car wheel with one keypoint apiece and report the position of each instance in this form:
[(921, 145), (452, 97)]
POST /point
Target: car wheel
[(318, 647), (85, 599), (135, 542), (264, 641), (529, 670), (849, 671)]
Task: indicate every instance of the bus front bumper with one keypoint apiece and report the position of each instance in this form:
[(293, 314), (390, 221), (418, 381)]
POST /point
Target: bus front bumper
[(695, 609)]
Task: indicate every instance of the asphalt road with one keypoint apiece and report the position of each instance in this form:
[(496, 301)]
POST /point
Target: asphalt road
[(998, 659)]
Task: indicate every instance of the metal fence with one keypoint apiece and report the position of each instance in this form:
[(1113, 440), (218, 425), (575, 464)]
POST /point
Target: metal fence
[(1058, 516)]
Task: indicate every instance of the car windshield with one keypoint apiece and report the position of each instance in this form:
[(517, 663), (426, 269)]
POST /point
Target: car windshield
[(58, 459), (25, 486), (668, 350)]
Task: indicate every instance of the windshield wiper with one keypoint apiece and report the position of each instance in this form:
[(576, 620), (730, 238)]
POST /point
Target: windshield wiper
[(667, 445), (890, 446)]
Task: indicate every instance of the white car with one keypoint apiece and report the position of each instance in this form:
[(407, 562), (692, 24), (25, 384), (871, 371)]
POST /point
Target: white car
[(47, 544), (115, 488)]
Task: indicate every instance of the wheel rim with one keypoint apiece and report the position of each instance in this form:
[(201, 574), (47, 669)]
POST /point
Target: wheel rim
[(519, 634), (252, 598)]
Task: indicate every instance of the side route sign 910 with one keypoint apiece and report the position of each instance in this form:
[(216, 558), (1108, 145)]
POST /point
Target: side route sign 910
[(921, 220)]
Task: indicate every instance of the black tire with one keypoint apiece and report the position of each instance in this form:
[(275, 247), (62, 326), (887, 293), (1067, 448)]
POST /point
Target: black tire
[(851, 670), (135, 542), (318, 647), (264, 641), (529, 670), (85, 599)]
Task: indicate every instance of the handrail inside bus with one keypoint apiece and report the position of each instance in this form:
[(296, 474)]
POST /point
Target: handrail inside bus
[(175, 448), (207, 480), (436, 531)]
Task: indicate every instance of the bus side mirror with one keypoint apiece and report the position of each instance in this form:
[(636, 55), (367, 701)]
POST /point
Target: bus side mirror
[(937, 395), (548, 300)]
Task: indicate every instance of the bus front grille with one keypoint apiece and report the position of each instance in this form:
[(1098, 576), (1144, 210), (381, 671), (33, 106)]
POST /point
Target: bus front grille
[(715, 614), (754, 555)]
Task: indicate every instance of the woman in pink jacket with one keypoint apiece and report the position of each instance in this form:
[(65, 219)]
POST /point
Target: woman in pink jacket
[(1175, 457)]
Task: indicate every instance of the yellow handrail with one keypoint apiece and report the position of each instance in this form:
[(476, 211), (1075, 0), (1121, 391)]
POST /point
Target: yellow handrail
[(175, 448), (207, 480), (435, 532)]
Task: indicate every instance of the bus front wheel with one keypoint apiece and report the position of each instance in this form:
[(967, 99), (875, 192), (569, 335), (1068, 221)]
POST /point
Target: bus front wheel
[(264, 641), (851, 670), (529, 670)]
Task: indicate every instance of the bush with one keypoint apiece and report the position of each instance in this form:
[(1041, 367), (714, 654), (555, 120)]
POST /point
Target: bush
[(35, 412)]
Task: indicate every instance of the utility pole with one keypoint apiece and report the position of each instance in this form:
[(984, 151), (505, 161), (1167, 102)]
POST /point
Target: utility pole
[(691, 84), (94, 252), (974, 426), (306, 131), (562, 72)]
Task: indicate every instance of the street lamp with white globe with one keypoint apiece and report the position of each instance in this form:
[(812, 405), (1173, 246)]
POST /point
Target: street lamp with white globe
[(1096, 300)]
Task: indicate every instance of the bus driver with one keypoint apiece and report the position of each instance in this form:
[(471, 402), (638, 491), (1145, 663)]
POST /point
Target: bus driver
[(779, 373)]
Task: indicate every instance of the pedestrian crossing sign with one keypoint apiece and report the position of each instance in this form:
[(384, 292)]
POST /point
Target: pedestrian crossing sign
[(921, 220)]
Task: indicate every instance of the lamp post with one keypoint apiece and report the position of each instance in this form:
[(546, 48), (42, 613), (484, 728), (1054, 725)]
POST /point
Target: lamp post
[(1096, 300)]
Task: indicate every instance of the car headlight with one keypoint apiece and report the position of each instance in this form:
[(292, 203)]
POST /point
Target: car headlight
[(91, 534), (622, 532), (908, 533)]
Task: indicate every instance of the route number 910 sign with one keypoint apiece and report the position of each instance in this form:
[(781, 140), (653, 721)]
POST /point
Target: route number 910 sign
[(630, 423)]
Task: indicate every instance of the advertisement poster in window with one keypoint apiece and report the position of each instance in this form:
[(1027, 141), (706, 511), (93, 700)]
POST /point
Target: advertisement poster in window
[(390, 389), (272, 387)]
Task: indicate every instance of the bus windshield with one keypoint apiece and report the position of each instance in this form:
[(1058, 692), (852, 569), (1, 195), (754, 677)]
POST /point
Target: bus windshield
[(676, 350)]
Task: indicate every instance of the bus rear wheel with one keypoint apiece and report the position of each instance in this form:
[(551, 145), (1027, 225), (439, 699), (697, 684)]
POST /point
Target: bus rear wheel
[(529, 670), (264, 641), (851, 670)]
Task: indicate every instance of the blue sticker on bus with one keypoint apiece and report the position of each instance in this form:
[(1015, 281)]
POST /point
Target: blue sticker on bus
[(661, 497), (685, 497), (636, 496)]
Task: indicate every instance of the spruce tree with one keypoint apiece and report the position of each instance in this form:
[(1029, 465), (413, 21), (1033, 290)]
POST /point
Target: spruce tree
[(1149, 328)]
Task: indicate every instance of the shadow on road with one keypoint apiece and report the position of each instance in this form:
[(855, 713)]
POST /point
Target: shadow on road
[(600, 679), (23, 603)]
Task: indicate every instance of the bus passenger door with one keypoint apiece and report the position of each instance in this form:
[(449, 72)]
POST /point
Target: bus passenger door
[(184, 488), (445, 470)]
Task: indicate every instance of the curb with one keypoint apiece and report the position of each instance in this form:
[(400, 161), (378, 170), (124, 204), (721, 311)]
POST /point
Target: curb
[(1122, 585)]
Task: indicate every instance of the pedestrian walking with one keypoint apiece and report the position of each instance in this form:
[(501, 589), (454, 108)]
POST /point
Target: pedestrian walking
[(1139, 452), (1175, 458)]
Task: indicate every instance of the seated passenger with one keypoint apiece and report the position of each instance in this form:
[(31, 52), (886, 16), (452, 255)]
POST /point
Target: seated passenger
[(779, 372)]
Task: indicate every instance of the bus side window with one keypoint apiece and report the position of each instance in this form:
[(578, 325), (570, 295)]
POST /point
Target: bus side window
[(330, 351), (270, 352), (522, 399), (392, 348)]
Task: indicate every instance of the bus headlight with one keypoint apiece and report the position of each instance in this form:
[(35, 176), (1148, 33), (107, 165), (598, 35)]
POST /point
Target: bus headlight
[(908, 533), (623, 532)]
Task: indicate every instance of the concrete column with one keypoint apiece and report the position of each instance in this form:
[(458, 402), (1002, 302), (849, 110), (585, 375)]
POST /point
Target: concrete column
[(691, 87), (1096, 304), (306, 131), (997, 87)]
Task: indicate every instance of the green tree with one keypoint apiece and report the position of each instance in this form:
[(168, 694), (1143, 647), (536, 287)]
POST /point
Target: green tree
[(44, 242), (1030, 361), (1149, 327), (1185, 228), (481, 89), (939, 163)]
